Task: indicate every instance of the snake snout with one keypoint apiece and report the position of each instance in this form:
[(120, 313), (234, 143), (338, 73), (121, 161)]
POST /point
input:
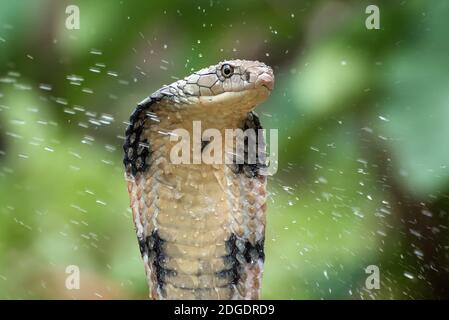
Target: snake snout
[(266, 79)]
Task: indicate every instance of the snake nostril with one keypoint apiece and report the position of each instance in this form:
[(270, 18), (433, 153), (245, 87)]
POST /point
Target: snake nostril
[(247, 76)]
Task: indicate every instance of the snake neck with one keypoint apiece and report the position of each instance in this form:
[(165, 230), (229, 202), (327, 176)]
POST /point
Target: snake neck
[(196, 217)]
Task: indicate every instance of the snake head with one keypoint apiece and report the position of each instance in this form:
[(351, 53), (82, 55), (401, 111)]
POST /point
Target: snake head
[(242, 82)]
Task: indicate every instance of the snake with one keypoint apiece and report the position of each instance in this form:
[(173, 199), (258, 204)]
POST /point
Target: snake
[(200, 226)]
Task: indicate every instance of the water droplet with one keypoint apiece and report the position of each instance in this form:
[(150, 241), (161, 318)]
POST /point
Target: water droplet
[(408, 275)]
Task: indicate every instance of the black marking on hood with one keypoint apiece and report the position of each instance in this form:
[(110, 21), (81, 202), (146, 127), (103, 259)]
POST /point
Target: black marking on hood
[(156, 256), (136, 147), (238, 255), (251, 170)]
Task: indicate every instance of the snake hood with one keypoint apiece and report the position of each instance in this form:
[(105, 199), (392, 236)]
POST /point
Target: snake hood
[(200, 227)]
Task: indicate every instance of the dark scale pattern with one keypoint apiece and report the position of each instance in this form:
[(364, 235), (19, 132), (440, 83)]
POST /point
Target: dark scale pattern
[(137, 148), (253, 253), (142, 245), (153, 247), (236, 257), (233, 273), (251, 170)]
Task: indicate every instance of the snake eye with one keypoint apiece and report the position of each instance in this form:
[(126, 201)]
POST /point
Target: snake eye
[(227, 70)]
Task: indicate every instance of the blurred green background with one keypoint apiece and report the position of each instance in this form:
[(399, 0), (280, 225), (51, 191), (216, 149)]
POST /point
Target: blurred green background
[(363, 127)]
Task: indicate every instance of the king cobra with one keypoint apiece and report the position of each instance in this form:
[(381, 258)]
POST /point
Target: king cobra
[(200, 227)]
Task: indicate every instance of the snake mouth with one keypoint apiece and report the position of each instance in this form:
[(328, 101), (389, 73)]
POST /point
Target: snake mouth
[(268, 87)]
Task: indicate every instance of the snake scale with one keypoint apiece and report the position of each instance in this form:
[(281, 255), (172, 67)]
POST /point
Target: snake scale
[(200, 227)]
